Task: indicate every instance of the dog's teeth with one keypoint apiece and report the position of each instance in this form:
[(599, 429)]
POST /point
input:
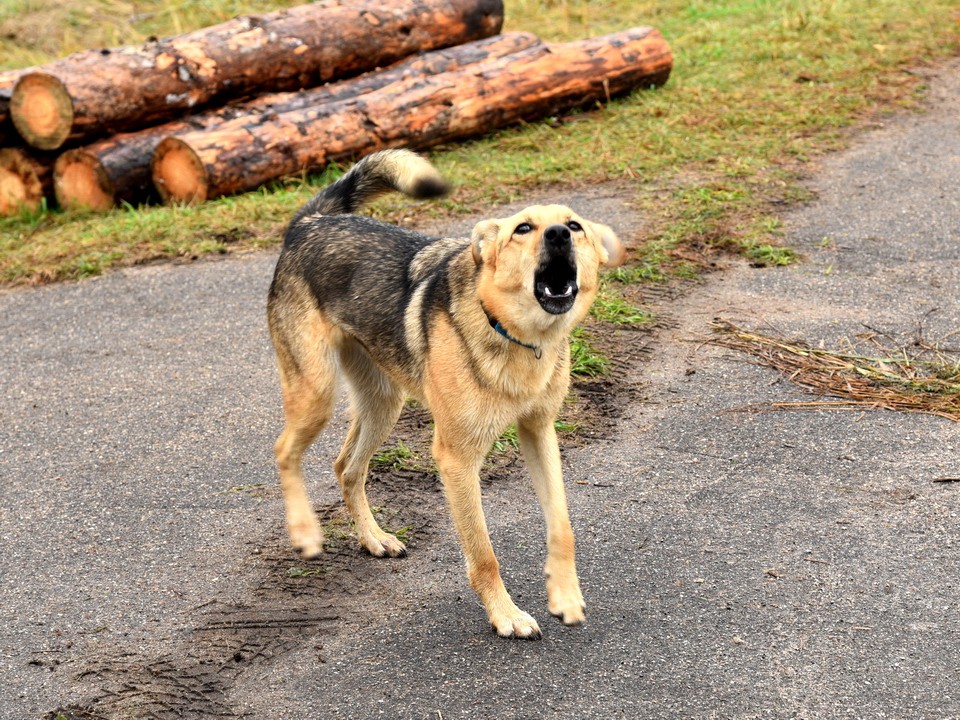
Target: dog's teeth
[(566, 293)]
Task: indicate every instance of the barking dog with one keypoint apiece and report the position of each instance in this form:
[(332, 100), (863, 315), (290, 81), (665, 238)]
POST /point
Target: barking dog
[(477, 329)]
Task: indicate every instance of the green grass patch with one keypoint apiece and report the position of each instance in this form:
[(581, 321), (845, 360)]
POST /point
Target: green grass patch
[(771, 254), (509, 440), (585, 360), (759, 88), (398, 457), (565, 427), (403, 534), (611, 308)]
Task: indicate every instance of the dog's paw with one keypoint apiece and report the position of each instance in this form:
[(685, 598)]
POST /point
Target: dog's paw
[(566, 603), (516, 624), (383, 545), (306, 538)]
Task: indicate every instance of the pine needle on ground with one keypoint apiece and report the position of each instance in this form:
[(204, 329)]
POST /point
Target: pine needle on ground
[(922, 377)]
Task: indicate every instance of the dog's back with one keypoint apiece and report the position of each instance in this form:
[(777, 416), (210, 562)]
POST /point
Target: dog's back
[(360, 272)]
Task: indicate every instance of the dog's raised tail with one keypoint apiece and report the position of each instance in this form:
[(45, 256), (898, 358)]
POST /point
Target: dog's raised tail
[(381, 172)]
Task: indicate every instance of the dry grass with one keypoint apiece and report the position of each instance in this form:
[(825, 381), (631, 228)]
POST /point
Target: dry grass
[(921, 377)]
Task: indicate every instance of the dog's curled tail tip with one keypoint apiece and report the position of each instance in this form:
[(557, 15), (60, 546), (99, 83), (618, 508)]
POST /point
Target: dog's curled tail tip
[(400, 170), (413, 175)]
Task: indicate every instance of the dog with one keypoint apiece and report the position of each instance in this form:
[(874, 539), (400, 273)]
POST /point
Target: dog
[(477, 329)]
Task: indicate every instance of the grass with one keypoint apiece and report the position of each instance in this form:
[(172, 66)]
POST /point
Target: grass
[(759, 89), (398, 457), (585, 360), (385, 516), (510, 438), (403, 534), (296, 571), (919, 377), (614, 309)]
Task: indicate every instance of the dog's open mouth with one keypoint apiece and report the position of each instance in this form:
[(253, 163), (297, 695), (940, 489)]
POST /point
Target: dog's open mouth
[(555, 285)]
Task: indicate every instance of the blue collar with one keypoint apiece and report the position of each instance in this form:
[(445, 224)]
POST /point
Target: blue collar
[(495, 324)]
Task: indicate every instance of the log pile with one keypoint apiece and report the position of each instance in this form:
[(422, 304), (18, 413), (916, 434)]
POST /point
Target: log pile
[(117, 169), (305, 86), (99, 92)]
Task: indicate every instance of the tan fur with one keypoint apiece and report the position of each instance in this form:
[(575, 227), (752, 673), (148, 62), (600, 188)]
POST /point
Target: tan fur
[(474, 382)]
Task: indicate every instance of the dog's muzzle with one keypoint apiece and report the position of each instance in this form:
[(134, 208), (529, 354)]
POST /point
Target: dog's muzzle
[(555, 282)]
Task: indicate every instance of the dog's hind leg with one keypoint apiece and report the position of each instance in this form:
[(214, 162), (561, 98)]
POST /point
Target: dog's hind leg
[(375, 405), (308, 409), (308, 378)]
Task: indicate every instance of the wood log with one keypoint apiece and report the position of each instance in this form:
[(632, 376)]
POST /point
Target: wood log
[(100, 92), (117, 169), (8, 79), (420, 112), (25, 179)]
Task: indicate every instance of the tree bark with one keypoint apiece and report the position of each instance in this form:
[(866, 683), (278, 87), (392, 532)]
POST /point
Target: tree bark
[(420, 112), (117, 169), (99, 92), (25, 179), (8, 134)]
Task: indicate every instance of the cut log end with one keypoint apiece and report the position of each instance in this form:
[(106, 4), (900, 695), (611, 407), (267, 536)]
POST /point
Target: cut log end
[(178, 173), (42, 111), (81, 183), (20, 187)]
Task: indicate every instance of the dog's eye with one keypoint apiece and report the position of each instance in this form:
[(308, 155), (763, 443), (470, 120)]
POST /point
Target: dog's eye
[(523, 229), (574, 226)]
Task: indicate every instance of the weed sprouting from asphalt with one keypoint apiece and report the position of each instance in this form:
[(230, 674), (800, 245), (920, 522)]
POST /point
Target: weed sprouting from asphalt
[(772, 255), (403, 534), (304, 572)]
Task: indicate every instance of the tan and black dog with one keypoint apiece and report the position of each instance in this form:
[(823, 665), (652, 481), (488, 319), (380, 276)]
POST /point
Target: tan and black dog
[(477, 329)]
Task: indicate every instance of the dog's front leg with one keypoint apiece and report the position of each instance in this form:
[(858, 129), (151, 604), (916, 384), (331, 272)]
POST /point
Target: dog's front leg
[(459, 470), (538, 443)]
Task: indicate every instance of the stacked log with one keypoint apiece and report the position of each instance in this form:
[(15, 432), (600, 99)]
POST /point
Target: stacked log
[(25, 180), (8, 79), (419, 112), (100, 92), (117, 169)]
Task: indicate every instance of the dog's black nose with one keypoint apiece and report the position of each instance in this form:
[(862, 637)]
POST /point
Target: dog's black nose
[(557, 236)]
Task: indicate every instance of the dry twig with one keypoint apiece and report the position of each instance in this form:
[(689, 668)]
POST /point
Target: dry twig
[(928, 381)]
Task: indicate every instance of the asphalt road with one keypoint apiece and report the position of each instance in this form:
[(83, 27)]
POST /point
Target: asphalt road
[(735, 564)]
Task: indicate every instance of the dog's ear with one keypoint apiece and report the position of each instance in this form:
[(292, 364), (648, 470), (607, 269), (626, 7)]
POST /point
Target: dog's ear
[(613, 251), (484, 234)]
